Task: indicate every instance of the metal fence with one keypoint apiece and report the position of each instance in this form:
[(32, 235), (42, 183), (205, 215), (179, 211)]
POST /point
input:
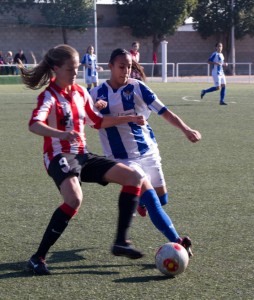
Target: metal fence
[(193, 72)]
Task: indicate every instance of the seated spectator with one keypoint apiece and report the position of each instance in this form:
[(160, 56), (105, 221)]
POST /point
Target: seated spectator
[(9, 70), (19, 57)]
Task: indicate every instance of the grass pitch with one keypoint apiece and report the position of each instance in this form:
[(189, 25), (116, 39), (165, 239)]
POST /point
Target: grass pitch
[(211, 195)]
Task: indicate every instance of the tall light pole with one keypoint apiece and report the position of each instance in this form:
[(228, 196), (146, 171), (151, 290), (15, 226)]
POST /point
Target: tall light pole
[(95, 29), (233, 38)]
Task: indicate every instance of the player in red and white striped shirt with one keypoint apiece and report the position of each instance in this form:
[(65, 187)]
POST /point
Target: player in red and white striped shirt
[(63, 110)]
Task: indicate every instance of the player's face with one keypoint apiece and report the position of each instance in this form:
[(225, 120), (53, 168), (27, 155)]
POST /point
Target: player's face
[(135, 47), (219, 48), (67, 73), (91, 50), (120, 70)]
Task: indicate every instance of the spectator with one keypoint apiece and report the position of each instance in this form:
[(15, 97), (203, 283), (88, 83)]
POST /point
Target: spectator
[(19, 57), (1, 63), (9, 70)]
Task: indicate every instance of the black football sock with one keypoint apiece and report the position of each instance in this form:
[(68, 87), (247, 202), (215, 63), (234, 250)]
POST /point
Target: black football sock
[(58, 223), (128, 201)]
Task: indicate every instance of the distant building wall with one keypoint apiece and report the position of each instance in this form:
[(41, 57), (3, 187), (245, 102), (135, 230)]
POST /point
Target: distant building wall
[(183, 46)]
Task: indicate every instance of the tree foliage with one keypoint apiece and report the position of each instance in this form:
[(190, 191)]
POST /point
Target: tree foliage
[(216, 17), (154, 18), (72, 14), (66, 14)]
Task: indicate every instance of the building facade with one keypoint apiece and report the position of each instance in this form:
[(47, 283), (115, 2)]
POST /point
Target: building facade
[(184, 46)]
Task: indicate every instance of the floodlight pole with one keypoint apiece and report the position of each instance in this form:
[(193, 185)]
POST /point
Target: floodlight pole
[(95, 29), (164, 61), (233, 38)]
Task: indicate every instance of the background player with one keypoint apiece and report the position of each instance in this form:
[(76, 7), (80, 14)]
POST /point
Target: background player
[(89, 61), (217, 62)]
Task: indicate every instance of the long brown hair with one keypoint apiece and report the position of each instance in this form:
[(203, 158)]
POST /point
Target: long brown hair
[(40, 75)]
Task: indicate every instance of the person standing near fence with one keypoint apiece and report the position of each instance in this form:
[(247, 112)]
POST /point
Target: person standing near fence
[(19, 57), (216, 60), (134, 51), (89, 61)]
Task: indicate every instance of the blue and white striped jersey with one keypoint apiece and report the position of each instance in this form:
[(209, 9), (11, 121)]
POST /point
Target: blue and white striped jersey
[(90, 60), (128, 140), (218, 58)]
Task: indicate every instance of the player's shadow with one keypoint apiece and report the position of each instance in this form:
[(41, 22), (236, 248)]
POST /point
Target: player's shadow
[(19, 268)]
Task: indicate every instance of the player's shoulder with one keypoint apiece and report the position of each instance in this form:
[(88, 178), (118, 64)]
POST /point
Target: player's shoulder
[(136, 82)]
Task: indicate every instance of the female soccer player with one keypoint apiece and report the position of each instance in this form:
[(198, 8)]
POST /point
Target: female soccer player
[(217, 62), (135, 73), (62, 111), (135, 145), (89, 61)]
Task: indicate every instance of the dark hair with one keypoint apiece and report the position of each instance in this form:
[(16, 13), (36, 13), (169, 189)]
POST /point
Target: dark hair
[(137, 71), (117, 52), (89, 47), (135, 43), (217, 44), (41, 74)]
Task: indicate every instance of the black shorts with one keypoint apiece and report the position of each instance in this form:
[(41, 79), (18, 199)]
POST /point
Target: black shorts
[(87, 167)]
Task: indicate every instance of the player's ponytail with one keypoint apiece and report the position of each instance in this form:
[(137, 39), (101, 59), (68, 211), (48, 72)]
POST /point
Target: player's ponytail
[(40, 75)]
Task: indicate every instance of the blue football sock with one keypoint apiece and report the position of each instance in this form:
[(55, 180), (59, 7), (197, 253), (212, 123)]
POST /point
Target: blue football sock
[(211, 89), (158, 216), (164, 199), (222, 94)]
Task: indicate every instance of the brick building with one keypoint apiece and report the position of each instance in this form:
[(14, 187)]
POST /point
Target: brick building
[(184, 46)]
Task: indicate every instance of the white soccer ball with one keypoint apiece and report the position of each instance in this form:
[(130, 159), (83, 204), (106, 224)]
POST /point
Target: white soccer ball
[(171, 259)]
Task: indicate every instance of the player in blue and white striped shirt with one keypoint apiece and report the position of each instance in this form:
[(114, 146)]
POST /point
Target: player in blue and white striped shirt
[(217, 62), (89, 61), (136, 146)]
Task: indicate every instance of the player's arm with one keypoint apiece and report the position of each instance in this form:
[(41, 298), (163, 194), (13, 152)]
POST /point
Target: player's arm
[(42, 129), (109, 121), (192, 135)]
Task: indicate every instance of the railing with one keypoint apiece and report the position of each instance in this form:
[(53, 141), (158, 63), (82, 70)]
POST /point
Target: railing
[(240, 74), (190, 71)]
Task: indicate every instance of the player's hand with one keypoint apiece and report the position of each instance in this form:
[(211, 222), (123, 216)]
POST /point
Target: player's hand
[(139, 120), (70, 136), (193, 135), (100, 104)]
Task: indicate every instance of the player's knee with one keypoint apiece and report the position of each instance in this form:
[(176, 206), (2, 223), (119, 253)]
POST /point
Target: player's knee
[(135, 179)]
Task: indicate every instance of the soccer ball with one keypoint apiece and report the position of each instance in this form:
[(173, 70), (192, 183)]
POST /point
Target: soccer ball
[(171, 259)]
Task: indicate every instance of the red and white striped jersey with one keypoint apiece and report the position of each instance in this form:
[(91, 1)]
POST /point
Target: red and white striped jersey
[(59, 110)]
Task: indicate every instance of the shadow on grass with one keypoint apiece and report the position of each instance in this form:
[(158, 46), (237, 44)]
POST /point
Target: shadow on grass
[(146, 278), (19, 269)]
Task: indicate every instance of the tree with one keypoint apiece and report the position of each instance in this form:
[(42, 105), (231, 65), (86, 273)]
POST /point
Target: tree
[(216, 17), (66, 14), (154, 18)]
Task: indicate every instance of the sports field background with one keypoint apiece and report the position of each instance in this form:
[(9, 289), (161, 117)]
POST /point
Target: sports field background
[(211, 195)]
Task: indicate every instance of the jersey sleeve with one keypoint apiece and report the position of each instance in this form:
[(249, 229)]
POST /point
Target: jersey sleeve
[(94, 117), (212, 57), (151, 99), (44, 106), (83, 61)]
